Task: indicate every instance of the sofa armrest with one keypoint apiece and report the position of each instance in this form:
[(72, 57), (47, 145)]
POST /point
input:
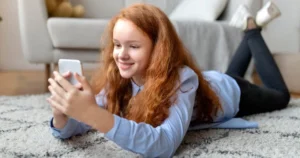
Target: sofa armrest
[(35, 39)]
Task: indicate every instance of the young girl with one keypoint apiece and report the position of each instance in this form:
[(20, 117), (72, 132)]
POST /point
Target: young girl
[(150, 91)]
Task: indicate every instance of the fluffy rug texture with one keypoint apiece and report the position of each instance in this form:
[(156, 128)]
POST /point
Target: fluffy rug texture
[(24, 132)]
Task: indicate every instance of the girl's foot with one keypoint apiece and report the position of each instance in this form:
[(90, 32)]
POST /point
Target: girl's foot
[(266, 14), (241, 17)]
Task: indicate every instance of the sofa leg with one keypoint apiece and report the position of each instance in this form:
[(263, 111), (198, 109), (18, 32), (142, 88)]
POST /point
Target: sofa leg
[(56, 67), (47, 75)]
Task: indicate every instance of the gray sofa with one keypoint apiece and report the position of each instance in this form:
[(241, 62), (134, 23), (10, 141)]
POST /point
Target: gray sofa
[(45, 40)]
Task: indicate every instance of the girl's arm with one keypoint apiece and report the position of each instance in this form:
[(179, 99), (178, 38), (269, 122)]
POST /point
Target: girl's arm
[(163, 140)]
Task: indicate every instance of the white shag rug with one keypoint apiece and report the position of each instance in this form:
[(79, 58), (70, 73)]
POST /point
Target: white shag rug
[(25, 132)]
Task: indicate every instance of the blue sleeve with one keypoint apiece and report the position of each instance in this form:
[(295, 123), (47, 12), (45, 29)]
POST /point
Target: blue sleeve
[(74, 127), (163, 140)]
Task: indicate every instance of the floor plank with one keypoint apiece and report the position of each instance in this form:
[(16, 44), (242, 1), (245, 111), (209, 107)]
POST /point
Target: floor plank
[(25, 82), (20, 82)]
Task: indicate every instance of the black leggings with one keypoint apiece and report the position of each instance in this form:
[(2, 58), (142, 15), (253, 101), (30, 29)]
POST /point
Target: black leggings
[(274, 95)]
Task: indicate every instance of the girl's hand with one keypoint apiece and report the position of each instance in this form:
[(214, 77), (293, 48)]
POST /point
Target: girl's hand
[(55, 111), (68, 99)]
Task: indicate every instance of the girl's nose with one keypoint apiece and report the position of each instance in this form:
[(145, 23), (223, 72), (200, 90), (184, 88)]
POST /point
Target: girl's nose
[(123, 54)]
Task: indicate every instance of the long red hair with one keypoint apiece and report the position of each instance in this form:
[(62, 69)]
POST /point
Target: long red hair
[(169, 55)]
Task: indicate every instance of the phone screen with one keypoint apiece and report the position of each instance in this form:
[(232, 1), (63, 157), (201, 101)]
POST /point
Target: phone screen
[(65, 65)]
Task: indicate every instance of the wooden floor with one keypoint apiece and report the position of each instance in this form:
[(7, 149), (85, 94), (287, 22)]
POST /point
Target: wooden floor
[(25, 82), (34, 82)]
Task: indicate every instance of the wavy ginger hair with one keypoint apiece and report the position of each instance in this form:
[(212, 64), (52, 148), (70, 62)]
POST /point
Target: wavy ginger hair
[(168, 56)]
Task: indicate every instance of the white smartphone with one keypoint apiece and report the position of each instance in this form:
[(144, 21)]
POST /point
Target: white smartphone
[(65, 65)]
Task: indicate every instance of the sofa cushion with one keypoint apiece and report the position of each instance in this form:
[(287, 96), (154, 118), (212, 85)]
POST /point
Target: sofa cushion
[(208, 10), (76, 33)]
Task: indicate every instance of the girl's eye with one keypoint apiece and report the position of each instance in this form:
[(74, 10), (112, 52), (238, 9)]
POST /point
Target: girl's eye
[(117, 45), (134, 47)]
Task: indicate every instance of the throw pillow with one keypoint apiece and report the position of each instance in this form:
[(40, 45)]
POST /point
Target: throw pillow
[(208, 10)]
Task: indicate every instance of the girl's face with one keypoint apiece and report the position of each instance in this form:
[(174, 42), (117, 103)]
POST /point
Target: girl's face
[(132, 49)]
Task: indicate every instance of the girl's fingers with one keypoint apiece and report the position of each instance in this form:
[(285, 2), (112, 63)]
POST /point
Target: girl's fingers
[(54, 110), (67, 86), (67, 74), (55, 96), (56, 87), (82, 80), (56, 105), (78, 86)]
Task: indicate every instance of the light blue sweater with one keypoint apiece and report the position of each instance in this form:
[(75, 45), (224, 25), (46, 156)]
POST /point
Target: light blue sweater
[(163, 140)]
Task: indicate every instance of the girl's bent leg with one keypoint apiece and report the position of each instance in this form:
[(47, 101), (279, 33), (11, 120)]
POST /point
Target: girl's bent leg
[(275, 94)]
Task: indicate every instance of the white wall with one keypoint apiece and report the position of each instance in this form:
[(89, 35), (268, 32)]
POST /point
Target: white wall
[(282, 35), (11, 57)]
